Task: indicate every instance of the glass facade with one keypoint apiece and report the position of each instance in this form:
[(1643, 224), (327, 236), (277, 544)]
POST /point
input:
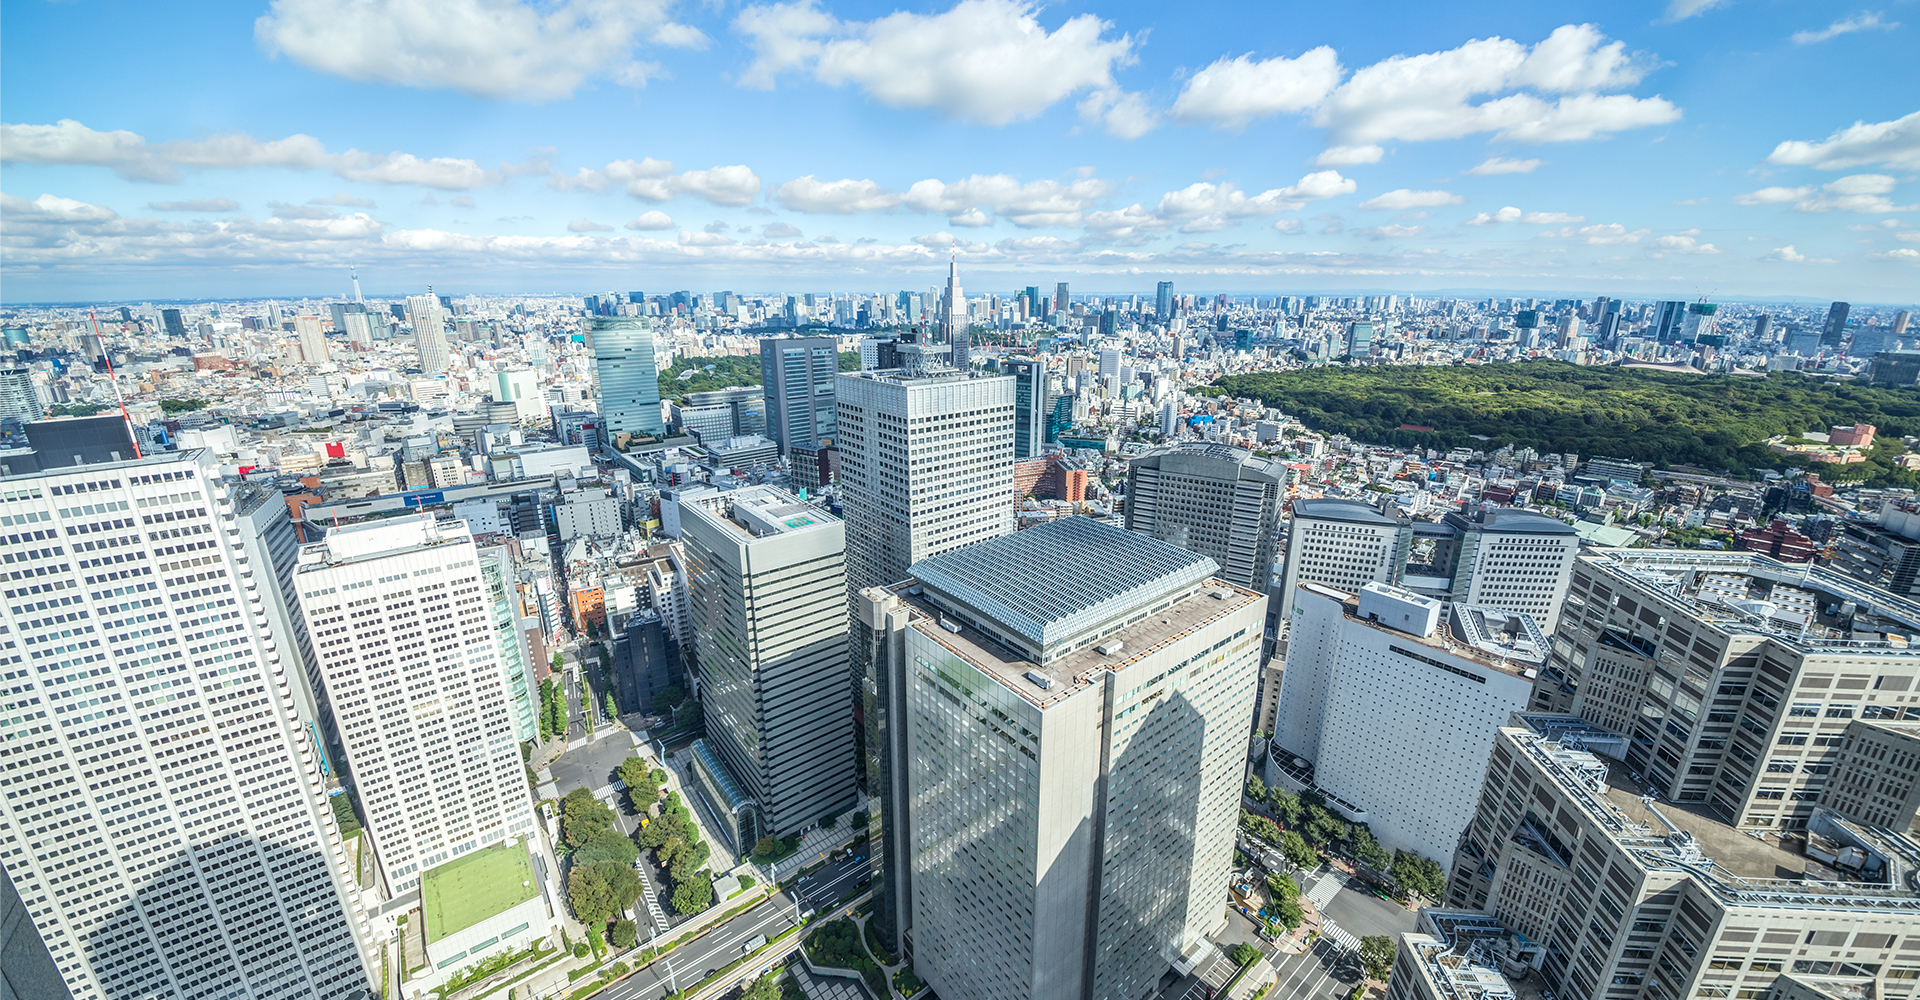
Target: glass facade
[(623, 360)]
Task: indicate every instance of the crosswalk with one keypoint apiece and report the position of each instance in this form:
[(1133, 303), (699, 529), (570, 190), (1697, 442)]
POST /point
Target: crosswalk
[(1339, 936), (651, 898)]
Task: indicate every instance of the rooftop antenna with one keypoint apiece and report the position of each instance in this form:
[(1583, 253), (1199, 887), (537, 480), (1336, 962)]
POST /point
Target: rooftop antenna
[(122, 400), (355, 275)]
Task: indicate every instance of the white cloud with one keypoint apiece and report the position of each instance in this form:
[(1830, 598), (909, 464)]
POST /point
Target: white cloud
[(1874, 227), (652, 220), (1788, 255), (1682, 243), (1028, 205), (458, 201), (1287, 225), (1680, 10), (282, 210), (1507, 214), (1133, 221), (1206, 200), (1866, 21), (629, 172), (198, 205), (1349, 156), (1894, 144), (487, 48), (972, 218), (779, 231), (344, 199), (1394, 232), (989, 62), (1233, 92), (1427, 96), (69, 142), (1123, 115), (734, 185), (1550, 218), (53, 209), (654, 180), (588, 226), (1910, 237), (1404, 198), (1898, 253), (841, 197), (690, 239), (1496, 165), (1864, 193), (1607, 234)]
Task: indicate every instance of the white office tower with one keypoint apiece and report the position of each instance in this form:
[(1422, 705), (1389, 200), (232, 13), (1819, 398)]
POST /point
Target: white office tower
[(402, 630), (1629, 896), (313, 340), (1077, 699), (429, 332), (163, 817), (1343, 544), (1393, 709), (767, 579), (926, 466), (1213, 499), (18, 397)]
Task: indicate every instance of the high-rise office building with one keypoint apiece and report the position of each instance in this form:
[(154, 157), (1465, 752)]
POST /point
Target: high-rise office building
[(926, 466), (313, 340), (521, 388), (163, 819), (766, 578), (954, 323), (1163, 302), (1029, 405), (1067, 760), (176, 327), (1729, 675), (796, 374), (429, 322), (1213, 499), (1359, 338), (1667, 321), (402, 630), (18, 397), (1629, 896), (1394, 710), (1836, 326), (623, 363), (1060, 297), (1900, 320)]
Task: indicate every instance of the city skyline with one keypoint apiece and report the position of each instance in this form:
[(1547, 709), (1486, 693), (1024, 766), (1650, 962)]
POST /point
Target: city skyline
[(1720, 149)]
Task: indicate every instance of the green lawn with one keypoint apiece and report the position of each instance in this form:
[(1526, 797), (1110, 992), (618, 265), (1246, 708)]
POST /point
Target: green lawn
[(467, 890)]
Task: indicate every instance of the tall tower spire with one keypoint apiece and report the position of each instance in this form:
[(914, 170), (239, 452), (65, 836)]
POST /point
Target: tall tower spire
[(953, 322), (354, 273)]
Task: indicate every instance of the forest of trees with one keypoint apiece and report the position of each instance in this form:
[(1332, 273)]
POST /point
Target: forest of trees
[(1713, 421), (728, 371)]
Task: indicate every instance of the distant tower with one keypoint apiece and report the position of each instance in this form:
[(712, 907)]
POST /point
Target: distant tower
[(354, 274), (954, 314)]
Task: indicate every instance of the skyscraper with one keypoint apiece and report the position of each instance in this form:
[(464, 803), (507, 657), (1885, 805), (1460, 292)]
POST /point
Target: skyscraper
[(1029, 405), (953, 318), (1067, 780), (1667, 321), (1836, 328), (1900, 320), (926, 466), (1060, 297), (313, 341), (796, 375), (429, 324), (18, 398), (1359, 338), (1212, 499), (402, 628), (623, 362), (1163, 302), (175, 326), (766, 577), (163, 817)]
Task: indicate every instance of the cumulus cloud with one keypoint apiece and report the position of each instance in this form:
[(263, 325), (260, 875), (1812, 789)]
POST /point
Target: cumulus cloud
[(588, 226), (69, 142), (988, 62), (1907, 254), (654, 180), (972, 218), (1686, 243), (734, 185), (779, 231), (1867, 21), (487, 48), (1608, 234), (1893, 143), (652, 220), (1031, 204), (1789, 255), (1429, 96), (54, 209), (1121, 114), (841, 197), (1135, 221), (1494, 166), (1349, 156), (1394, 232), (1864, 193), (1208, 207), (1550, 218), (198, 205), (1507, 214), (282, 210), (1234, 92), (704, 239), (1404, 198), (1680, 10)]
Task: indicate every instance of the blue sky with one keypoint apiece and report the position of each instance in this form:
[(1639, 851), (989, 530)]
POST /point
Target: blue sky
[(1733, 148)]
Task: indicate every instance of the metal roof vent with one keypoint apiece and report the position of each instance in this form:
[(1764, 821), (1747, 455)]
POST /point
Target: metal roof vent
[(1040, 680)]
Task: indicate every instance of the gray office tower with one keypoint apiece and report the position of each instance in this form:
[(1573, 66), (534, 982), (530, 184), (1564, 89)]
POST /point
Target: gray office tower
[(1163, 302), (1212, 499), (766, 577), (1060, 297), (797, 376), (164, 817), (1665, 328), (18, 398), (1029, 405), (1836, 327), (176, 327), (1067, 741)]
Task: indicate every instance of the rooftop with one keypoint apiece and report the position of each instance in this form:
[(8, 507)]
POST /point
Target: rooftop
[(1076, 574), (1332, 509), (1487, 636), (1507, 520), (1069, 674), (469, 889), (373, 539), (762, 511)]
